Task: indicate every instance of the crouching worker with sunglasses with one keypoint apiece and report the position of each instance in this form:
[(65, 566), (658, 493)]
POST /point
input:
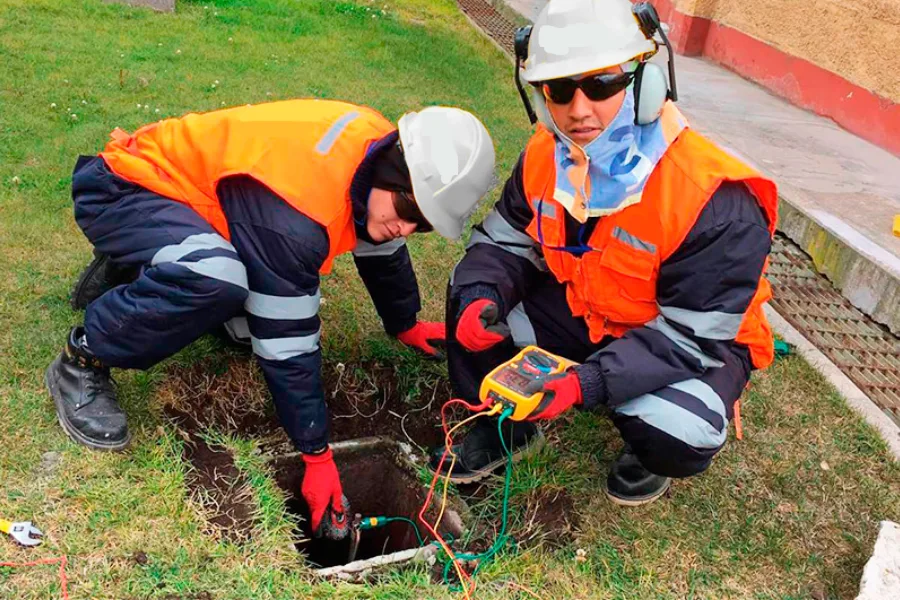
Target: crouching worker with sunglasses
[(230, 217), (624, 241)]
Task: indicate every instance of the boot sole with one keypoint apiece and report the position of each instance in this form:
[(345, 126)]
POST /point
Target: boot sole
[(640, 501), (70, 430), (533, 447)]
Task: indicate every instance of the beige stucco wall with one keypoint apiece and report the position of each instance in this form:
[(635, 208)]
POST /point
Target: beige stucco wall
[(858, 39)]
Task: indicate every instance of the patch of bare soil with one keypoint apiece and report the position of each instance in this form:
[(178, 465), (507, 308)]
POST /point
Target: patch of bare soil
[(548, 517), (229, 394), (365, 399), (374, 399), (216, 486)]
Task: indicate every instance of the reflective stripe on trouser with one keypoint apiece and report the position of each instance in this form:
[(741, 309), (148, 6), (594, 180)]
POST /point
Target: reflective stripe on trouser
[(192, 278), (676, 430)]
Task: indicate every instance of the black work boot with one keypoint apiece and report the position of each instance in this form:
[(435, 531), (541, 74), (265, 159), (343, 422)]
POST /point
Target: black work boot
[(85, 397), (480, 452), (100, 276), (630, 484)]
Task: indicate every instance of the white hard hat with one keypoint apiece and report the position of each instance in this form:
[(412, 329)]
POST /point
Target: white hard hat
[(571, 37), (450, 156)]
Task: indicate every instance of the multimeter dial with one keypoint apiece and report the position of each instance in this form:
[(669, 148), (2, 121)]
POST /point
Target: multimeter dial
[(540, 362)]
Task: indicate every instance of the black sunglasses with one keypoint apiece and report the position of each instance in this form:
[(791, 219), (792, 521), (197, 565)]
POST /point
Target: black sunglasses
[(407, 209), (595, 87)]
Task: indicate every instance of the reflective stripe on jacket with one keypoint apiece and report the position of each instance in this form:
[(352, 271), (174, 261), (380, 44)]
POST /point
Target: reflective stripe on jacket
[(306, 151), (612, 281)]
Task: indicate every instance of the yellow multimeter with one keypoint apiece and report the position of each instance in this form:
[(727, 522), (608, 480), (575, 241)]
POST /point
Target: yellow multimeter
[(509, 383)]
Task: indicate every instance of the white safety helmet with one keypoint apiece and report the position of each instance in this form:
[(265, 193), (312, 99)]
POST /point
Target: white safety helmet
[(450, 156), (571, 37)]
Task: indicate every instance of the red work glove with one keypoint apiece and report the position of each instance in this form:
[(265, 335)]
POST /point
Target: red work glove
[(322, 490), (478, 329), (425, 336), (561, 392)]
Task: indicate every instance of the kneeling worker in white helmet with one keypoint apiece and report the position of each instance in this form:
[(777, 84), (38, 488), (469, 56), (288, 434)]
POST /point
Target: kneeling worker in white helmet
[(230, 217), (624, 241)]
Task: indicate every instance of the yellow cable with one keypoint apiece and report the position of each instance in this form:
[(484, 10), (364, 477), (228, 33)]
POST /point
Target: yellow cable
[(493, 411), (448, 444)]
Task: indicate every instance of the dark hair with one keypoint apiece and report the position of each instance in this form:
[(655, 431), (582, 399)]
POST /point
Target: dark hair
[(391, 172)]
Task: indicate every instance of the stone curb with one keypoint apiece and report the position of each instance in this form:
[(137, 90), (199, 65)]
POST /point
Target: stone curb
[(866, 281)]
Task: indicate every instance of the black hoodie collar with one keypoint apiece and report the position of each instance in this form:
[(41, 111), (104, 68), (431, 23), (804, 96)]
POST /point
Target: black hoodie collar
[(361, 185)]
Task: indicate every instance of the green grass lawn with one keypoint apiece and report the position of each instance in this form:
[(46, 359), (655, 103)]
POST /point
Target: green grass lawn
[(789, 512)]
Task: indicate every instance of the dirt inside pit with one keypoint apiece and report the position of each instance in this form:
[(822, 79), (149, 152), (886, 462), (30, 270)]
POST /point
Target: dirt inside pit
[(375, 484), (364, 399)]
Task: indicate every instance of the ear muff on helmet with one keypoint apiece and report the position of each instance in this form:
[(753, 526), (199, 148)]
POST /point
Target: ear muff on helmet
[(651, 91), (520, 46)]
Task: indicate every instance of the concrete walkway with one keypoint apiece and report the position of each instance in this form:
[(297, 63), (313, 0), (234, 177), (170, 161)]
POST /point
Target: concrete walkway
[(839, 193)]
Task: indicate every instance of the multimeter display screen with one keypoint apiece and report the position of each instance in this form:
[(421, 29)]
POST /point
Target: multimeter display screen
[(512, 379)]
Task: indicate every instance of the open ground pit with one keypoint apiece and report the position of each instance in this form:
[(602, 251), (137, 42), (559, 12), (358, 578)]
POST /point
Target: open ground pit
[(377, 483), (370, 400)]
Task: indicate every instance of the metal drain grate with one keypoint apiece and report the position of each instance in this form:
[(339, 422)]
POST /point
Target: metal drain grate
[(866, 352), (491, 22)]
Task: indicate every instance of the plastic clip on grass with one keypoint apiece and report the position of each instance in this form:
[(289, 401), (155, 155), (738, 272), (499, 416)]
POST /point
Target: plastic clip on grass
[(782, 349)]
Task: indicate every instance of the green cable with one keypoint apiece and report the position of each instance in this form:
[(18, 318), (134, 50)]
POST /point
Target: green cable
[(502, 538), (375, 522), (411, 522)]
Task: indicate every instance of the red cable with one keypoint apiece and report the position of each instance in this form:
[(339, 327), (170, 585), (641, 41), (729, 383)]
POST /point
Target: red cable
[(427, 503), (467, 580), (433, 531), (62, 560)]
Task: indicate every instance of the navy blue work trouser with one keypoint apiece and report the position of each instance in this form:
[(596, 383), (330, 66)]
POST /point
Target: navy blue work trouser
[(191, 279)]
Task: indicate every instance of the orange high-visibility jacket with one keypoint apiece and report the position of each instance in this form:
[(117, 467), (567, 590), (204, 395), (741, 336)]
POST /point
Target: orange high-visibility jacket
[(306, 151), (613, 286)]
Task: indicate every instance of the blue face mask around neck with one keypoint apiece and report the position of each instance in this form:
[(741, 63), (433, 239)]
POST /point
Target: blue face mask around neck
[(609, 173)]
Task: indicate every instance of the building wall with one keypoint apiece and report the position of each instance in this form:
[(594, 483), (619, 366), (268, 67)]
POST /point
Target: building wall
[(856, 39)]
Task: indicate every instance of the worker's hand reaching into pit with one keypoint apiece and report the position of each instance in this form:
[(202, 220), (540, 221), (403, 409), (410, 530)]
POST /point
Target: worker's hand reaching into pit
[(328, 507)]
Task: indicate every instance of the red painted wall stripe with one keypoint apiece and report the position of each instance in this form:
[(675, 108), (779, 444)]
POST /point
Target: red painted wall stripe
[(799, 81)]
